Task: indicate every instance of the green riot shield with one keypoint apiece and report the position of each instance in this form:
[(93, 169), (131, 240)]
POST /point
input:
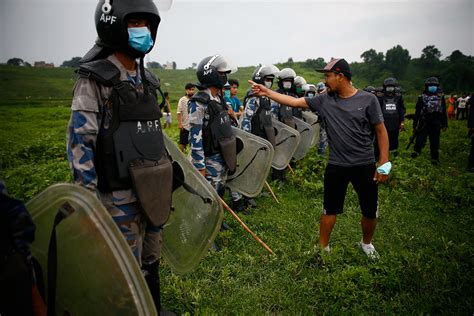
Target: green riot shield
[(306, 133), (196, 216), (312, 119), (287, 140), (254, 160), (96, 271)]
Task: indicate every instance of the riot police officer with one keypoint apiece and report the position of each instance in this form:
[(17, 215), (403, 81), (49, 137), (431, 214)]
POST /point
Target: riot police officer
[(430, 118), (213, 145), (115, 140), (393, 109)]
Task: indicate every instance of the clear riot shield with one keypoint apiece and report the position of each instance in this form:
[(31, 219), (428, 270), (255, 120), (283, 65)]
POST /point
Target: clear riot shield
[(254, 160), (287, 140), (312, 119), (306, 134), (196, 216), (96, 271)]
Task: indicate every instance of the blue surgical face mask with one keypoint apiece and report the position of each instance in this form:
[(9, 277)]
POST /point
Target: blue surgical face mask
[(140, 38), (227, 93), (432, 89)]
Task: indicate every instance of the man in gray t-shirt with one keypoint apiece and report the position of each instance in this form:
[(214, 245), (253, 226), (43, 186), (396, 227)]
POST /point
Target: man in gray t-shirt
[(351, 117)]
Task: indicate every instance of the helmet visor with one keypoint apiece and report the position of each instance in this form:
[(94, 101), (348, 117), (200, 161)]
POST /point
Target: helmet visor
[(223, 64)]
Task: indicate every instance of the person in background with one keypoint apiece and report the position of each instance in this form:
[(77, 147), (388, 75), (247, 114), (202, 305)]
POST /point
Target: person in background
[(182, 116), (167, 111), (393, 109), (450, 102), (461, 106), (430, 118), (231, 98), (470, 126)]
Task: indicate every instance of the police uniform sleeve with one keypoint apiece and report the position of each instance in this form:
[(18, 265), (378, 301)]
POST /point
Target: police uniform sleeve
[(82, 133), (196, 119), (275, 109), (249, 112)]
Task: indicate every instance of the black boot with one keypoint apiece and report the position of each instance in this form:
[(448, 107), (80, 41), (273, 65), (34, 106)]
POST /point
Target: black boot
[(152, 278), (238, 206)]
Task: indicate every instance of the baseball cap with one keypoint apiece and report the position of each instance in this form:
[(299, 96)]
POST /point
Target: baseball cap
[(338, 65)]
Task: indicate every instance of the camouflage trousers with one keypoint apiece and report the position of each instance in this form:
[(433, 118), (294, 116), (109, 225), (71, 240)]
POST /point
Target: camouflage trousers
[(216, 172), (143, 238)]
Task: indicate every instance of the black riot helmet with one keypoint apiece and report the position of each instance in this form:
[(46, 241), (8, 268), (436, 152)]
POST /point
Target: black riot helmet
[(262, 72), (390, 82), (212, 72), (111, 24), (432, 81)]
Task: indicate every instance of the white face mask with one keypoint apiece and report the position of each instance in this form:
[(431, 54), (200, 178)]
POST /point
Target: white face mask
[(268, 84), (286, 85)]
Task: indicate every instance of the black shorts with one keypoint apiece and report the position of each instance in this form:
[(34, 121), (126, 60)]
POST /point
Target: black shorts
[(183, 136), (336, 179)]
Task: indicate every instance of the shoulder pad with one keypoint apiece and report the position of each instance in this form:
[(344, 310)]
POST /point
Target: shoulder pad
[(102, 71), (202, 97), (152, 79)]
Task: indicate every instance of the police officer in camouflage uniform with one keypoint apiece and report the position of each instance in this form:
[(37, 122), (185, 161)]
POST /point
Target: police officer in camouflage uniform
[(213, 145), (114, 111)]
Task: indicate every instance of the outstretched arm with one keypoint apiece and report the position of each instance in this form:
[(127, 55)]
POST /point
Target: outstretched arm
[(261, 90)]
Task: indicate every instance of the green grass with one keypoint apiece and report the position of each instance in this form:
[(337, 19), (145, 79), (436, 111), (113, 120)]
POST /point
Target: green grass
[(424, 234)]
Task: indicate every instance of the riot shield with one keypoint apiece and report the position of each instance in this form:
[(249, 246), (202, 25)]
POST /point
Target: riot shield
[(254, 160), (96, 271), (287, 140), (196, 216), (312, 119), (306, 133)]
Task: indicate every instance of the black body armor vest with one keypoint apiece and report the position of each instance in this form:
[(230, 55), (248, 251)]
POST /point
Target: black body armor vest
[(135, 130), (262, 121), (391, 112), (285, 114), (217, 135)]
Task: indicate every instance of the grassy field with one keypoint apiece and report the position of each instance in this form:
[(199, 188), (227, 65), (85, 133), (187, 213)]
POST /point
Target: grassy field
[(425, 236)]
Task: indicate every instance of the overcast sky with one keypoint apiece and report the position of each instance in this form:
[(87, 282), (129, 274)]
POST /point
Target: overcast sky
[(247, 32)]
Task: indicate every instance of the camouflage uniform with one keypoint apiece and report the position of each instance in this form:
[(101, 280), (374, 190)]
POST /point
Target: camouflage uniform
[(216, 169), (251, 106), (91, 115)]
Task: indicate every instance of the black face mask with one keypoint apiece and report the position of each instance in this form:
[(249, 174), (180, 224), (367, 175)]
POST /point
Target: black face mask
[(222, 81)]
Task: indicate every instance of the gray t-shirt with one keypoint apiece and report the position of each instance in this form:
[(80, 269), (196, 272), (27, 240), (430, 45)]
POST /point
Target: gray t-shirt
[(349, 125)]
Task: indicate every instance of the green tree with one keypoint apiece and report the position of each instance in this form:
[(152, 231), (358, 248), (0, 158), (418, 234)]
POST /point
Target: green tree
[(73, 62), (397, 60), (154, 65), (373, 64), (314, 63), (430, 53), (15, 62)]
